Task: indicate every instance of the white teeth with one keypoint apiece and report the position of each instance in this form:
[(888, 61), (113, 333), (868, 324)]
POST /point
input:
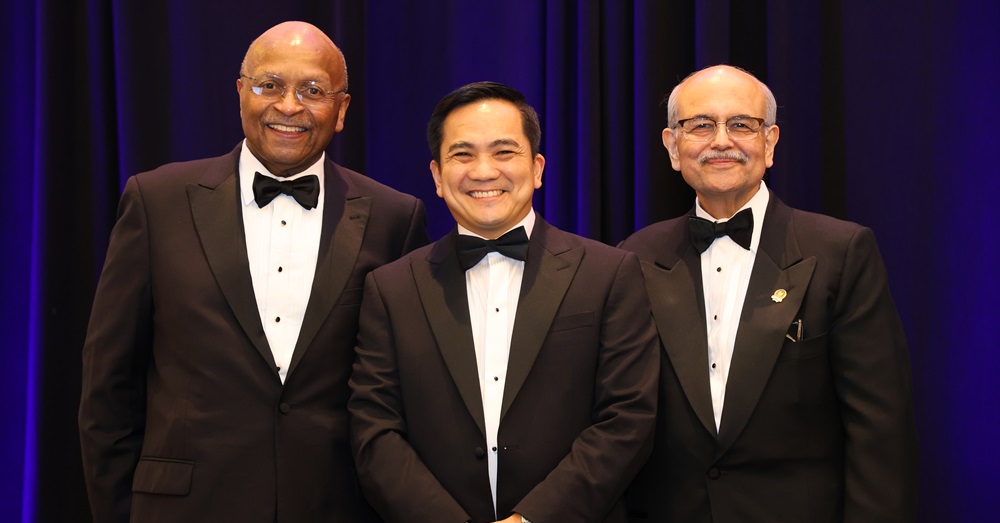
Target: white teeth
[(486, 194), (286, 129)]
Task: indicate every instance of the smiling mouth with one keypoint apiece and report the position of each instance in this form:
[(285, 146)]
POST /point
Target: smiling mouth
[(286, 128), (485, 194)]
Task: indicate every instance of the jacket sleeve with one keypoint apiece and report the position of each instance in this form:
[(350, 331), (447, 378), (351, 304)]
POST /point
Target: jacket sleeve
[(115, 358), (395, 480), (871, 372)]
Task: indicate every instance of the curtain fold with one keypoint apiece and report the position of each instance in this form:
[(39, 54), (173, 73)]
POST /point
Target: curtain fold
[(885, 111)]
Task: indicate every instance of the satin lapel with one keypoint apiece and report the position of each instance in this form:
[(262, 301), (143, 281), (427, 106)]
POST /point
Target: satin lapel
[(440, 283), (548, 272), (676, 297), (215, 208), (345, 217), (764, 321)]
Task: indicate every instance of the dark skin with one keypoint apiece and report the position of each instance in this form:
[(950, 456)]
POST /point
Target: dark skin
[(286, 135)]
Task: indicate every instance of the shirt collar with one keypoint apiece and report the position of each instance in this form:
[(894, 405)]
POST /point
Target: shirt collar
[(249, 164), (758, 204), (528, 222)]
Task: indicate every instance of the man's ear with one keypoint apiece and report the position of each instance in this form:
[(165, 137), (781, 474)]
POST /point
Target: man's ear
[(342, 111), (670, 143), (436, 174), (770, 140), (538, 167)]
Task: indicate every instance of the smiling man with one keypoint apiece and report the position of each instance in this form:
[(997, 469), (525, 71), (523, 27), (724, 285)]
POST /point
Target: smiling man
[(785, 376), (507, 371), (223, 330)]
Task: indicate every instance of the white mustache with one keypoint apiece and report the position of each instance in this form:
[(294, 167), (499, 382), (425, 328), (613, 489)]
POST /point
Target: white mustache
[(739, 156)]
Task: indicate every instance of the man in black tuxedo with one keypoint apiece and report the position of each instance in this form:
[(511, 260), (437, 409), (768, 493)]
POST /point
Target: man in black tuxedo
[(222, 334), (507, 371), (785, 389)]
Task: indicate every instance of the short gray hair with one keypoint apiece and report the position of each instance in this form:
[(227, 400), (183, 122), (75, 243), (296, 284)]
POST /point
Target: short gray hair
[(770, 104)]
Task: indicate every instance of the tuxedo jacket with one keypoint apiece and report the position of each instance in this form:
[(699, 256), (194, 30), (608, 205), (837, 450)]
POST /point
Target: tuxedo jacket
[(579, 401), (183, 416), (817, 427)]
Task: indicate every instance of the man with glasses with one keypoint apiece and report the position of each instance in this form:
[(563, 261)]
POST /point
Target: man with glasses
[(223, 329), (785, 388)]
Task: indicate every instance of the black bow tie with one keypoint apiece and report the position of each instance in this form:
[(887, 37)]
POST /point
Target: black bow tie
[(513, 244), (305, 190), (739, 228)]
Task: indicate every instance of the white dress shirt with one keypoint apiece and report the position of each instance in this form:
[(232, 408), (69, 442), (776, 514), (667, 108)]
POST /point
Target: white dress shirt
[(493, 286), (725, 270), (282, 246)]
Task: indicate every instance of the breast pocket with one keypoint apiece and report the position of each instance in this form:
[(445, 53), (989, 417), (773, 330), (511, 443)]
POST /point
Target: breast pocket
[(572, 321), (807, 348), (800, 382)]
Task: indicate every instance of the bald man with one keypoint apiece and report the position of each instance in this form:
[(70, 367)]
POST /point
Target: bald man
[(222, 334), (785, 390)]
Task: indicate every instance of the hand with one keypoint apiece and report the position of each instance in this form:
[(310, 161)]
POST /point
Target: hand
[(515, 518)]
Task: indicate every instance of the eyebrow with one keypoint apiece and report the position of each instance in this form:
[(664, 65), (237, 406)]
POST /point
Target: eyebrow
[(276, 76), (502, 142), (508, 142), (710, 117)]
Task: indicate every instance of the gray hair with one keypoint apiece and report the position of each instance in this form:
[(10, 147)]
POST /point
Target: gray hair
[(770, 104)]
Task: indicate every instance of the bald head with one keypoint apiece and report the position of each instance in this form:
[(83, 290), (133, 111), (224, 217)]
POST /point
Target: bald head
[(726, 167), (287, 132), (301, 37), (723, 74)]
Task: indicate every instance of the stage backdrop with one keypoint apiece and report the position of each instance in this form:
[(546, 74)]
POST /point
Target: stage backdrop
[(888, 113)]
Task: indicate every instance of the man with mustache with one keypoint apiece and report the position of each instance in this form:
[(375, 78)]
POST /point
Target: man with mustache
[(507, 371), (785, 391), (222, 334)]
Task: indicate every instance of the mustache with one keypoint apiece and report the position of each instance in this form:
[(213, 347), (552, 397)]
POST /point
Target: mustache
[(739, 156)]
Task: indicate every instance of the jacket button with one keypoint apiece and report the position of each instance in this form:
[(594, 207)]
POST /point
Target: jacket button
[(480, 453), (714, 473), (284, 408)]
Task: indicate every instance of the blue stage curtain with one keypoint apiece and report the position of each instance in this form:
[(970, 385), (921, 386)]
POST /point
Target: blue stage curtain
[(886, 112)]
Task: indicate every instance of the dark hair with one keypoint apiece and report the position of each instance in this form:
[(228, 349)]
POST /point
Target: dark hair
[(475, 92)]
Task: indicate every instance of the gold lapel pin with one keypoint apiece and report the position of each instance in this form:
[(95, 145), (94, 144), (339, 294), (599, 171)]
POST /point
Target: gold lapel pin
[(779, 295)]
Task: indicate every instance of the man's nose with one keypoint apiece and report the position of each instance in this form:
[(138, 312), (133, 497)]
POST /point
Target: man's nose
[(721, 140), (289, 103), (484, 169)]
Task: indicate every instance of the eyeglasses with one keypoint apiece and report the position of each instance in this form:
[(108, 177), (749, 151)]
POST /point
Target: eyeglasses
[(702, 129), (274, 88)]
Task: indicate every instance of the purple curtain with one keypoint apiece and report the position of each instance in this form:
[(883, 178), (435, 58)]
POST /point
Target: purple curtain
[(886, 110)]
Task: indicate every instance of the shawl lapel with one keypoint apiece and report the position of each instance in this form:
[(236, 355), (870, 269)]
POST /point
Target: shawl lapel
[(215, 209), (345, 216), (764, 321)]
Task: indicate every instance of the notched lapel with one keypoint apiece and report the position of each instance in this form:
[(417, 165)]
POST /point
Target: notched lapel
[(547, 276), (763, 325), (218, 220), (440, 283), (338, 254)]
